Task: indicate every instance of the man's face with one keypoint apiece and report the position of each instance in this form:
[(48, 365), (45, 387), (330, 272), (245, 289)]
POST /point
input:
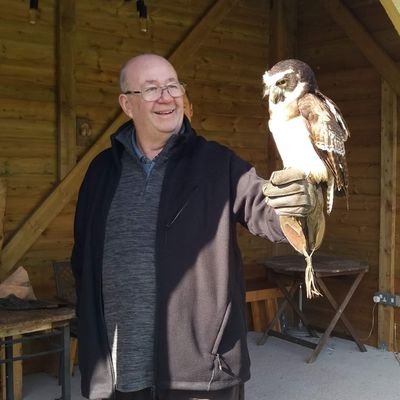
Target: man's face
[(163, 116)]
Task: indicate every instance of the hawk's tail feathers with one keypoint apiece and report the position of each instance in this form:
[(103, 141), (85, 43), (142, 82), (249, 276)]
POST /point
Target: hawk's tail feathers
[(330, 193)]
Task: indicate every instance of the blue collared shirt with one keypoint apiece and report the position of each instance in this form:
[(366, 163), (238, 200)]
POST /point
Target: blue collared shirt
[(146, 163)]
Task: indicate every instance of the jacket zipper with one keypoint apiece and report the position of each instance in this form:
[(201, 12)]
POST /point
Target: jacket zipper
[(185, 204), (109, 358), (217, 364)]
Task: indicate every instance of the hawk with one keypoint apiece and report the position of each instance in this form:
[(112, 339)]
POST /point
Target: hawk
[(309, 132)]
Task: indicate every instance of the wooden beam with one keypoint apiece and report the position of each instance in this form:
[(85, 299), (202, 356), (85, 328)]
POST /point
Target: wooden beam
[(62, 194), (365, 43), (196, 36), (3, 196), (387, 242), (66, 88), (392, 9), (52, 205)]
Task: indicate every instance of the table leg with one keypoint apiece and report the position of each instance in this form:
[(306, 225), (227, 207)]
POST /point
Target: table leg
[(339, 313), (344, 319), (264, 337), (65, 373), (9, 368), (289, 296)]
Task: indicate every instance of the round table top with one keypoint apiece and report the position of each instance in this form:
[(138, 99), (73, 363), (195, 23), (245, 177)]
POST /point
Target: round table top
[(322, 264)]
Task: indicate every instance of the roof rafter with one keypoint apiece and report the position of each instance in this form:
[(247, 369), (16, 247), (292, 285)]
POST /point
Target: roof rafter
[(392, 8), (365, 42)]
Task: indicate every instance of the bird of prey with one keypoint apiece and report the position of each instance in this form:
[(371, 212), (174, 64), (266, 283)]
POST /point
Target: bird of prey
[(309, 132)]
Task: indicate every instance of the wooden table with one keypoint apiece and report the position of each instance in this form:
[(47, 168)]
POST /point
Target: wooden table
[(15, 326), (292, 268)]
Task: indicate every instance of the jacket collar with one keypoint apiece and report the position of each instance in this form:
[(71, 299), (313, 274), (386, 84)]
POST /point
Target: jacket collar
[(185, 137)]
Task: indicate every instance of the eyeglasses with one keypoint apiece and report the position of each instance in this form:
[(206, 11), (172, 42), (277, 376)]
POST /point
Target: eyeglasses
[(153, 93)]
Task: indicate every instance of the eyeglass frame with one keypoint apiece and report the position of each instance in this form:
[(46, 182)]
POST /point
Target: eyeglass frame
[(162, 88)]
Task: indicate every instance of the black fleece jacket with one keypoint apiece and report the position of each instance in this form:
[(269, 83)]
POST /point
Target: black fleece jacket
[(200, 326)]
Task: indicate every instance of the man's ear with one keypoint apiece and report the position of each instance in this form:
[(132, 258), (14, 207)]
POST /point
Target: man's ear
[(125, 105)]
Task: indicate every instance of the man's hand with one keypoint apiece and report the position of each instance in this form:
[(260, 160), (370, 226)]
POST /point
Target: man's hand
[(290, 193)]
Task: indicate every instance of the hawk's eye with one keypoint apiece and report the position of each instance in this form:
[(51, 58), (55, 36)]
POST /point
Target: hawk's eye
[(281, 82)]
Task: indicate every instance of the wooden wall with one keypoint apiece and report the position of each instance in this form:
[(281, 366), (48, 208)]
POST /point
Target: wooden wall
[(223, 78), (224, 82), (345, 75)]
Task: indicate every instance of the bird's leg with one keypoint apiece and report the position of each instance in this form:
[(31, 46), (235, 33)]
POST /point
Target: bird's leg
[(306, 235), (311, 288), (315, 230)]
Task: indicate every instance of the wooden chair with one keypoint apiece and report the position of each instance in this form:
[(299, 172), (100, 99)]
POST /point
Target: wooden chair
[(263, 297), (65, 286)]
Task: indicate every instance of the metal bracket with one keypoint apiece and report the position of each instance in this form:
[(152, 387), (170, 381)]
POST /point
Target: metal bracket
[(386, 299)]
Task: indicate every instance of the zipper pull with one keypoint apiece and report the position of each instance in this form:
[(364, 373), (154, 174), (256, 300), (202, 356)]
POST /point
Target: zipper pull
[(218, 359)]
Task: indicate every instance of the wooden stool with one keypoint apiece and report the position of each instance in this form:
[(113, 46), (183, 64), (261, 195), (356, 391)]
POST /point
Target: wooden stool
[(263, 298)]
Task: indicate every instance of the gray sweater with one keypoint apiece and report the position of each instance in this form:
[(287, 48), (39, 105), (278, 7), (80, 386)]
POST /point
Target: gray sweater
[(129, 269)]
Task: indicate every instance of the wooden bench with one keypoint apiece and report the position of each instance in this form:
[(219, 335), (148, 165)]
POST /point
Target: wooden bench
[(262, 297)]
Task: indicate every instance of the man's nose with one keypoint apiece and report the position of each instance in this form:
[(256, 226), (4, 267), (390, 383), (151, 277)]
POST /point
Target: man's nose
[(163, 91)]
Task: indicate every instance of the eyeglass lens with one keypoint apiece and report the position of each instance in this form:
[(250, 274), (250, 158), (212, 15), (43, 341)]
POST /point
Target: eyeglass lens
[(153, 93)]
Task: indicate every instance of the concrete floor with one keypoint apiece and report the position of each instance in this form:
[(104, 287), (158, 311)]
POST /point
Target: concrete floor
[(279, 372)]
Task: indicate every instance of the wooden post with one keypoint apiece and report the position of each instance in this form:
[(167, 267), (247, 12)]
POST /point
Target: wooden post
[(282, 30), (282, 43), (282, 33), (387, 244), (3, 195), (66, 117), (17, 371)]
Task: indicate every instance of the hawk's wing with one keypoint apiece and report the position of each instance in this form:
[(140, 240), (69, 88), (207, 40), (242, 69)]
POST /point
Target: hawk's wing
[(328, 133)]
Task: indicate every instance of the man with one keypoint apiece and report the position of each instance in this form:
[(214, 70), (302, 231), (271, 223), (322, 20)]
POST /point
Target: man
[(157, 266)]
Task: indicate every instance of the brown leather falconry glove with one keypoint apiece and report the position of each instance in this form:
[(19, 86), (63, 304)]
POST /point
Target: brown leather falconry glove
[(290, 193)]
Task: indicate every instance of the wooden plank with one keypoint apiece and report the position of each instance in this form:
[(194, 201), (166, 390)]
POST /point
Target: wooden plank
[(365, 42), (392, 8), (66, 90), (37, 222), (387, 242), (263, 294)]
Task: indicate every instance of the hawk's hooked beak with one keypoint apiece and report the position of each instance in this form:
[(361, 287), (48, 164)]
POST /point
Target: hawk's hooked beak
[(276, 95)]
